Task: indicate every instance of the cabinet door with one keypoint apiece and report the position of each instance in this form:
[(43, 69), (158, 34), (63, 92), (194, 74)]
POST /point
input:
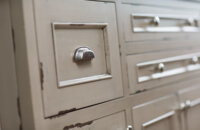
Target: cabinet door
[(158, 114), (152, 28), (79, 54), (150, 70), (190, 107)]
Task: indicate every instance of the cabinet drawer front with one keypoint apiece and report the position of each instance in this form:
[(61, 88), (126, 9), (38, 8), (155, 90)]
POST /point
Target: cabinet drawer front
[(148, 28), (79, 54), (164, 23), (151, 70), (111, 122), (157, 114)]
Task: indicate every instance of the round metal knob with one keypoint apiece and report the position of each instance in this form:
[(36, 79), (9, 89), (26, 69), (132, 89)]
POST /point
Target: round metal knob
[(182, 106), (161, 67), (190, 21), (188, 103), (129, 127), (195, 60), (156, 20), (83, 54)]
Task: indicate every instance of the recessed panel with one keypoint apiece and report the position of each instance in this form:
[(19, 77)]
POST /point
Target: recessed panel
[(68, 37)]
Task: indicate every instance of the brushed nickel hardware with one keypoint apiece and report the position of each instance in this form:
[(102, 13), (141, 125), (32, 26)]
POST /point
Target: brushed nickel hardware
[(161, 67), (190, 23), (156, 20), (129, 127), (162, 117), (83, 54)]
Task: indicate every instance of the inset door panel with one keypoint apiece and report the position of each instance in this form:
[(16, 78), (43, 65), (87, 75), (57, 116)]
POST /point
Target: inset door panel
[(79, 54), (156, 115), (153, 69)]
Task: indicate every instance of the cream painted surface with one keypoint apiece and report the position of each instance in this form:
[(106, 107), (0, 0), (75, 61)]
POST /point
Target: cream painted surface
[(9, 118), (159, 114), (56, 53)]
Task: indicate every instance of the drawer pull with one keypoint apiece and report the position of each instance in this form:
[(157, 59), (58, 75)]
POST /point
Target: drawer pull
[(195, 102), (129, 127), (83, 54), (171, 23), (156, 20), (195, 60), (191, 21), (161, 67), (187, 103), (160, 118), (182, 106)]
